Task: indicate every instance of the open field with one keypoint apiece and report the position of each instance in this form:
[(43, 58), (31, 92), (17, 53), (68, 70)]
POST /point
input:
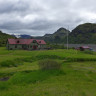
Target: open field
[(77, 76)]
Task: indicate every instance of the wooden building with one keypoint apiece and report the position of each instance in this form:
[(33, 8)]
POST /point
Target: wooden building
[(25, 44)]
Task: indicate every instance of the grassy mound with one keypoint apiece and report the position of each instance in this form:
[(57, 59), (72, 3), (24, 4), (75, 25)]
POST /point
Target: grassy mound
[(10, 63), (48, 64)]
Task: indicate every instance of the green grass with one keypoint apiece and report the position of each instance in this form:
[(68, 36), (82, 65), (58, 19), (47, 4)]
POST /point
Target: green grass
[(49, 64), (77, 77)]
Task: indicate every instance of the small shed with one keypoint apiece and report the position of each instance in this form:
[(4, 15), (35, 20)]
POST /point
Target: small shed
[(83, 48)]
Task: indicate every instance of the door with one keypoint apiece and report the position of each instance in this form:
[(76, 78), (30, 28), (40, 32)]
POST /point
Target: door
[(34, 47)]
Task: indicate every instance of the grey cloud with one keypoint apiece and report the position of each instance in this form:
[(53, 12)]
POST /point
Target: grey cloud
[(37, 17), (8, 7)]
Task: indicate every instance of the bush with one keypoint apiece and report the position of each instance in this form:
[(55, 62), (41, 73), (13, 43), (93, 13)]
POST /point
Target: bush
[(57, 46), (48, 64), (48, 57), (4, 85), (9, 63), (24, 59), (88, 52), (23, 78)]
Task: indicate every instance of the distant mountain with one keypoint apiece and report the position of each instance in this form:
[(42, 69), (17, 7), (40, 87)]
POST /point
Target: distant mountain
[(24, 36), (56, 37), (3, 38), (84, 33)]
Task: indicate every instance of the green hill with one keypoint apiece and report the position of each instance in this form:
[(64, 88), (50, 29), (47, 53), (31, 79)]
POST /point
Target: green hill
[(84, 33), (56, 37), (3, 38)]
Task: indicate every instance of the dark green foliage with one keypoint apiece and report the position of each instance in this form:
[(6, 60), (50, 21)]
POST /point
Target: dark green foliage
[(30, 59), (4, 85), (27, 77), (10, 63), (56, 37), (7, 63), (57, 46), (3, 38), (6, 74), (41, 57), (80, 59), (48, 64), (34, 76), (90, 72), (83, 34), (89, 52)]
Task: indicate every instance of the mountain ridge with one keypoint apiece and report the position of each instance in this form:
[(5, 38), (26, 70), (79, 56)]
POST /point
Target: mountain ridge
[(82, 34)]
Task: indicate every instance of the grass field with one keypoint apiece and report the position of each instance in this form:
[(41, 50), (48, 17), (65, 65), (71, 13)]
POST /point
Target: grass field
[(77, 77)]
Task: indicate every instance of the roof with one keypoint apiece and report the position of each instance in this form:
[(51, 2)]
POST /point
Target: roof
[(25, 41), (41, 42), (85, 47)]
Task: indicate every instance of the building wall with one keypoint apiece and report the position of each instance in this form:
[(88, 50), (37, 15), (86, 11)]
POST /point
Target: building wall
[(43, 46), (30, 47), (12, 46), (26, 47)]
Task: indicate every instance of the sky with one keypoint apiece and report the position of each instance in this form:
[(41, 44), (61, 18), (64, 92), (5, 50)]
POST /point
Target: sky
[(39, 17)]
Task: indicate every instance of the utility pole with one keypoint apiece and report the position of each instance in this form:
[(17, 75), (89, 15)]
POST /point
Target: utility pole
[(67, 39)]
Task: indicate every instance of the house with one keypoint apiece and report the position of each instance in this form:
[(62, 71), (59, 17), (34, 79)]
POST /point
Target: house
[(83, 48), (25, 44)]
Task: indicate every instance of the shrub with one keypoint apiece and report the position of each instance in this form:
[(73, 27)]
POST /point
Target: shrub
[(48, 57), (23, 78), (48, 64), (88, 52), (9, 63), (4, 85), (57, 46), (24, 59)]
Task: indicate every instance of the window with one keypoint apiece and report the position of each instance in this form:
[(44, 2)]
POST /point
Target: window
[(15, 46), (11, 49), (18, 41), (39, 41), (22, 46)]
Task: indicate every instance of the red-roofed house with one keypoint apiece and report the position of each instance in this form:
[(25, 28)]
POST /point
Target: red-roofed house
[(26, 44), (83, 48)]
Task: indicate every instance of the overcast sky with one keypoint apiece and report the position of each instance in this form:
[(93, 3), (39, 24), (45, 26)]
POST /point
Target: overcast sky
[(38, 17)]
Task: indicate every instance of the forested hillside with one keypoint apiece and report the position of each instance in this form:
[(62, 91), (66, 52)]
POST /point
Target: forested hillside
[(56, 37), (3, 38), (84, 33)]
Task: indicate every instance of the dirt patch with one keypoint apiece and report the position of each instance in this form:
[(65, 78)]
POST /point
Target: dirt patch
[(4, 79)]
